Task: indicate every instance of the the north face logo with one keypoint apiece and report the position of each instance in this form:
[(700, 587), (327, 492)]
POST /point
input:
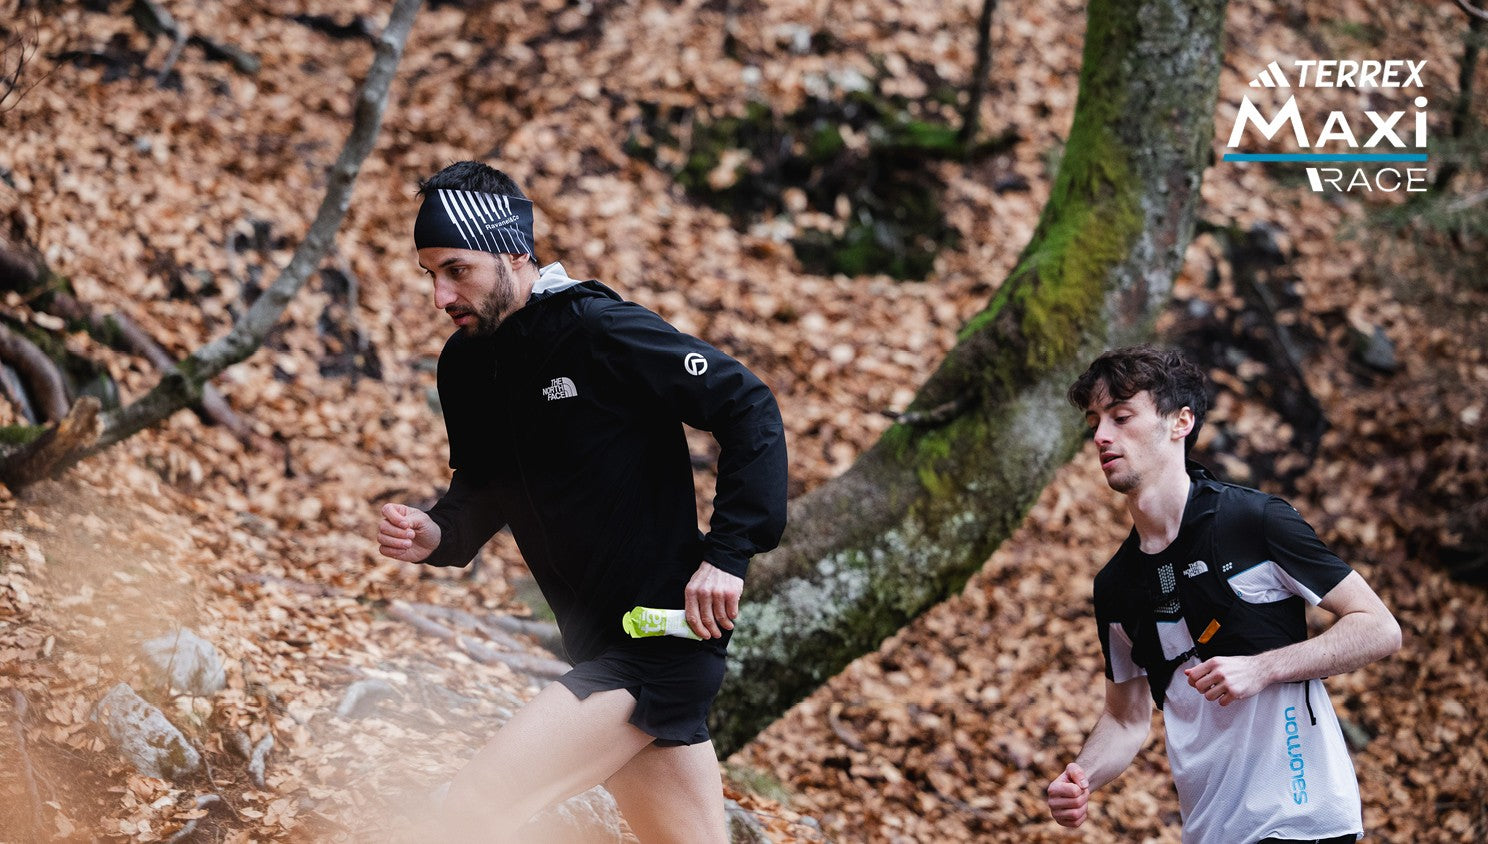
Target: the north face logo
[(561, 388), (1195, 568)]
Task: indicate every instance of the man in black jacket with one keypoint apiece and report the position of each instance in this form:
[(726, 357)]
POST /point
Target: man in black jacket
[(564, 407)]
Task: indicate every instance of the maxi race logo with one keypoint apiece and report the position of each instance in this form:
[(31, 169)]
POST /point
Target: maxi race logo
[(1368, 150)]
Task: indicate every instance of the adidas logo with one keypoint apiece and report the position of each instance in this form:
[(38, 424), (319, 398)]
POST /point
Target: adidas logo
[(1271, 77), (561, 388)]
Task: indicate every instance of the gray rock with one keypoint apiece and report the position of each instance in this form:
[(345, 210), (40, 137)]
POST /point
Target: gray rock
[(743, 826), (144, 736), (362, 698), (1375, 350), (588, 818), (194, 664)]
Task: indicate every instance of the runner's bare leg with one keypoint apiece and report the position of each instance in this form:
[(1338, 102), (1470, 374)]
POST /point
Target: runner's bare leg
[(555, 747), (672, 795)]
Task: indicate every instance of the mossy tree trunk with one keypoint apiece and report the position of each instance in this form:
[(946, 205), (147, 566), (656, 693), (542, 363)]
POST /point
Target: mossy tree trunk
[(922, 510)]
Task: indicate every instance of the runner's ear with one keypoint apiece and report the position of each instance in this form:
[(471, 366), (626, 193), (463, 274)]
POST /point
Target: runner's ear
[(1183, 422)]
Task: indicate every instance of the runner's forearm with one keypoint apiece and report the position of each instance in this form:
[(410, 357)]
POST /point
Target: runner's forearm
[(1355, 640), (467, 519), (1111, 747)]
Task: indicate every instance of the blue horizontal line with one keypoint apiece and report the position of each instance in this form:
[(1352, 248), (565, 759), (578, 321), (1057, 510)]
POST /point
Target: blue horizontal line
[(1324, 156)]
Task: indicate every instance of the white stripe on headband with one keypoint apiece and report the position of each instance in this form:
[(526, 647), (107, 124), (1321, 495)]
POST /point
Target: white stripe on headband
[(475, 220)]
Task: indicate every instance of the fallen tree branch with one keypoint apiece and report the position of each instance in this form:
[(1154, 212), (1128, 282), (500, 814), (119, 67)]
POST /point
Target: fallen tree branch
[(540, 667), (843, 732), (935, 416), (185, 832), (137, 341), (259, 759), (178, 41), (459, 616), (36, 460), (362, 695), (546, 633), (22, 269), (15, 392), (421, 616), (155, 20), (317, 590), (39, 372)]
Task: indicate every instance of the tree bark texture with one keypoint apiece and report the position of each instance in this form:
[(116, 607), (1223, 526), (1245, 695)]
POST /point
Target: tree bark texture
[(922, 510)]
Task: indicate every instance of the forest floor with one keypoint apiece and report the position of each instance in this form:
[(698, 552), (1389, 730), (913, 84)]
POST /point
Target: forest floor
[(171, 189)]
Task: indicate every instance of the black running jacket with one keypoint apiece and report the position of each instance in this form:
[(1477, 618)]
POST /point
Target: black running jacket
[(566, 424)]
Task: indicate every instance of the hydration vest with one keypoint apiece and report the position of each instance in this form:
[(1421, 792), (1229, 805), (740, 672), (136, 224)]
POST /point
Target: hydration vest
[(1220, 622)]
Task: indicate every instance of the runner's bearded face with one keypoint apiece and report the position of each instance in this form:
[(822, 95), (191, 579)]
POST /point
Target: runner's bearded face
[(463, 238), (476, 289)]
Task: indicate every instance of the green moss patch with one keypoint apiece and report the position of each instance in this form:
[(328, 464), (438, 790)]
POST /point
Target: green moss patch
[(864, 160)]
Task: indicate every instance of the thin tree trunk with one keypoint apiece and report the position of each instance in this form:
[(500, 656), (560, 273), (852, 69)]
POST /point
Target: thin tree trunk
[(971, 118), (183, 384), (1472, 45), (925, 507)]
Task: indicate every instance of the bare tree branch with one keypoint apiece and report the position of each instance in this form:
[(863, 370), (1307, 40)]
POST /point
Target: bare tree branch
[(19, 47), (213, 405), (1473, 10), (972, 115), (40, 372), (183, 383)]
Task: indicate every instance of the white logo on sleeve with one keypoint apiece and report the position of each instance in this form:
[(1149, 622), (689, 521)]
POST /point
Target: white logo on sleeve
[(695, 364), (561, 388)]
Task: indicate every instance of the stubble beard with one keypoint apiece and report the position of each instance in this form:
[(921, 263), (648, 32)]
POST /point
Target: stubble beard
[(1124, 482), (489, 311)]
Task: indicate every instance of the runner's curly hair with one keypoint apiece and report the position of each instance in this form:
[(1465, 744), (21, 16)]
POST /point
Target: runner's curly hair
[(1172, 379)]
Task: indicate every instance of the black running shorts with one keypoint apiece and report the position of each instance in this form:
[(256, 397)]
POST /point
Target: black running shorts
[(673, 681)]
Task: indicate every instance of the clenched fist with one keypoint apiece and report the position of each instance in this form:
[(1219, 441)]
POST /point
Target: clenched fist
[(406, 533)]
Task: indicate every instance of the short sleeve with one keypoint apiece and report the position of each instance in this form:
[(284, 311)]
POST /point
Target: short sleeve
[(1116, 647), (1310, 567)]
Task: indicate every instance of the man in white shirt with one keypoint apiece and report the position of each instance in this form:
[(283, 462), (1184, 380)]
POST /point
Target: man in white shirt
[(1212, 581)]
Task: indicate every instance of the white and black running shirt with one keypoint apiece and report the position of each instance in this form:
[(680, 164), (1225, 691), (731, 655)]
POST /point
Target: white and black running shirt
[(1273, 765)]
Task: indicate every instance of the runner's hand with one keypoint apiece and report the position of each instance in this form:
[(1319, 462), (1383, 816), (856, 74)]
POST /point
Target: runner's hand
[(1069, 795), (1226, 679), (712, 601), (406, 533)]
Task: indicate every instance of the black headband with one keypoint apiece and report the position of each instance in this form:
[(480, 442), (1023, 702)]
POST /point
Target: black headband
[(485, 222)]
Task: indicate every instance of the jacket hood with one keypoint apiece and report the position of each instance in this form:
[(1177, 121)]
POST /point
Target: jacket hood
[(554, 279)]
